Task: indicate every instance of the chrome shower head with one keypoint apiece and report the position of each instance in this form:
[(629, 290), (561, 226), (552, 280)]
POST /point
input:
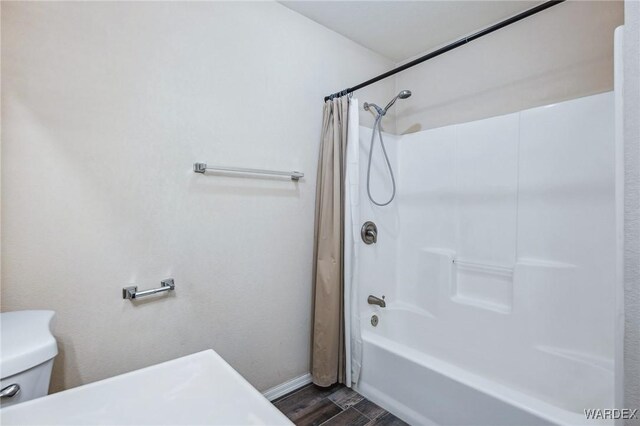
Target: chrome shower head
[(404, 94)]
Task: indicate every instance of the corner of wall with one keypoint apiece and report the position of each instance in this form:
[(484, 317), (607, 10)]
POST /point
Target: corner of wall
[(632, 206)]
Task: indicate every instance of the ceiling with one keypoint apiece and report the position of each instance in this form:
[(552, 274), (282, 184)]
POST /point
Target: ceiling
[(400, 30)]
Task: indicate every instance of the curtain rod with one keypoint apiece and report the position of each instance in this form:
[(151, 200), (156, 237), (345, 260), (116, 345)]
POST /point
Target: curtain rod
[(449, 47)]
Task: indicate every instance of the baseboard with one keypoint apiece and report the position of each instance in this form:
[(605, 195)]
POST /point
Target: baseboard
[(286, 387)]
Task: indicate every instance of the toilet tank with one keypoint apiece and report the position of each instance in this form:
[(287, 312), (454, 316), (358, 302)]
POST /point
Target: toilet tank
[(27, 349)]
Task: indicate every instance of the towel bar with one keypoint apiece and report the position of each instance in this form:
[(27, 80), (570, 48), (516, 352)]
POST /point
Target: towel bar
[(202, 167), (133, 293)]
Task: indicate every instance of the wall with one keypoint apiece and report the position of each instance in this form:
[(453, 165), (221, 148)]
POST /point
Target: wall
[(562, 53), (632, 204), (105, 107)]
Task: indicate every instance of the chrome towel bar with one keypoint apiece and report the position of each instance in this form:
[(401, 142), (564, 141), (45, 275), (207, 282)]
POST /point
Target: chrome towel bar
[(202, 167), (133, 293)]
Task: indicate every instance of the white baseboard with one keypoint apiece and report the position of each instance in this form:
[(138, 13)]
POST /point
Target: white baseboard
[(286, 387)]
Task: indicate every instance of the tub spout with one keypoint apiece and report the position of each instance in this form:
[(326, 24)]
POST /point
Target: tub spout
[(373, 300)]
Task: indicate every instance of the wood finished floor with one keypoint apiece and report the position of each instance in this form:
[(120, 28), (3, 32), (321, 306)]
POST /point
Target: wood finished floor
[(337, 405)]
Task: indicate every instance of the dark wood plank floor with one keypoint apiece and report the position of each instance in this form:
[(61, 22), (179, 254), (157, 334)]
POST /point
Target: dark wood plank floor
[(334, 406)]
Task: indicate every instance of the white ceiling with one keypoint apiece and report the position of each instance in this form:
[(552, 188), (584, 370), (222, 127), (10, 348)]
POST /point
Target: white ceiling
[(399, 30)]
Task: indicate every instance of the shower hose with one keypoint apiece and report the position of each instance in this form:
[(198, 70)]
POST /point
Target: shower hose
[(376, 125)]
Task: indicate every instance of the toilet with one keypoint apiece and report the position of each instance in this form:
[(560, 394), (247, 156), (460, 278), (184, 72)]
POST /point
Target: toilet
[(27, 350)]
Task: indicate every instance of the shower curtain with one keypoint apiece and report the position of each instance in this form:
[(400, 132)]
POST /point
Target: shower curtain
[(328, 348)]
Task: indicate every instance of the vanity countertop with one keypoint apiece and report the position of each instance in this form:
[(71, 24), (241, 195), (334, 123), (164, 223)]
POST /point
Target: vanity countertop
[(193, 390)]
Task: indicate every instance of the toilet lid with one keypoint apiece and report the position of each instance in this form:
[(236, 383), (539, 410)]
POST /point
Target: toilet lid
[(25, 341)]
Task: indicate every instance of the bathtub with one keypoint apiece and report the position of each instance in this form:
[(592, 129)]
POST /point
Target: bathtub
[(425, 378)]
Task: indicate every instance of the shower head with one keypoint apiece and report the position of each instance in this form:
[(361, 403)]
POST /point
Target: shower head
[(404, 94)]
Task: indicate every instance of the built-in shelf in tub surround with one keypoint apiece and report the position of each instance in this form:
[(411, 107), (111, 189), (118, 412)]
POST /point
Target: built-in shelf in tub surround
[(441, 276), (495, 287)]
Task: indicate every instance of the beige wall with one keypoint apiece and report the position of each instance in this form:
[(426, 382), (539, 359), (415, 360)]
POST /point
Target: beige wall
[(562, 53), (105, 106)]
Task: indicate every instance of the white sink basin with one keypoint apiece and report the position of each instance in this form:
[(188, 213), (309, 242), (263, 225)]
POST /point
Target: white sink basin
[(193, 390)]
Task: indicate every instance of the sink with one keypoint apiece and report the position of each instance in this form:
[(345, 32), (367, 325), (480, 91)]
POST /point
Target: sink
[(196, 389)]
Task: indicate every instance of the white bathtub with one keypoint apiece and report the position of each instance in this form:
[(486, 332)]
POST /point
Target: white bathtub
[(425, 378)]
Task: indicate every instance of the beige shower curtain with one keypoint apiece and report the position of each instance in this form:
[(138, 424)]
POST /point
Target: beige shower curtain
[(328, 352)]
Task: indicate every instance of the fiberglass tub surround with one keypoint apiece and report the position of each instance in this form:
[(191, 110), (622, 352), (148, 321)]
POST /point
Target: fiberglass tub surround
[(497, 260)]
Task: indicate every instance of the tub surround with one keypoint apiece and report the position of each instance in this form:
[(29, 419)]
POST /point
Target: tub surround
[(498, 263)]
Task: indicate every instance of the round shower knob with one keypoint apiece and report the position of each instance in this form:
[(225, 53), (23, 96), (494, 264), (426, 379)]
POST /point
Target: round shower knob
[(369, 232)]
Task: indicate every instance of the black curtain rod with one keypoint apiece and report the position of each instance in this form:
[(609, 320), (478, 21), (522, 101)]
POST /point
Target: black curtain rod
[(449, 47)]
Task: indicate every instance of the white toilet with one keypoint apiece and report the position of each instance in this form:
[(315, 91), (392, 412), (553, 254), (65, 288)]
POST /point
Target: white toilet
[(27, 349)]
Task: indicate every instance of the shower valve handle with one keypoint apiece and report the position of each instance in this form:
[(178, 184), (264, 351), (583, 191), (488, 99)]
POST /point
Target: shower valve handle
[(372, 234), (369, 233)]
